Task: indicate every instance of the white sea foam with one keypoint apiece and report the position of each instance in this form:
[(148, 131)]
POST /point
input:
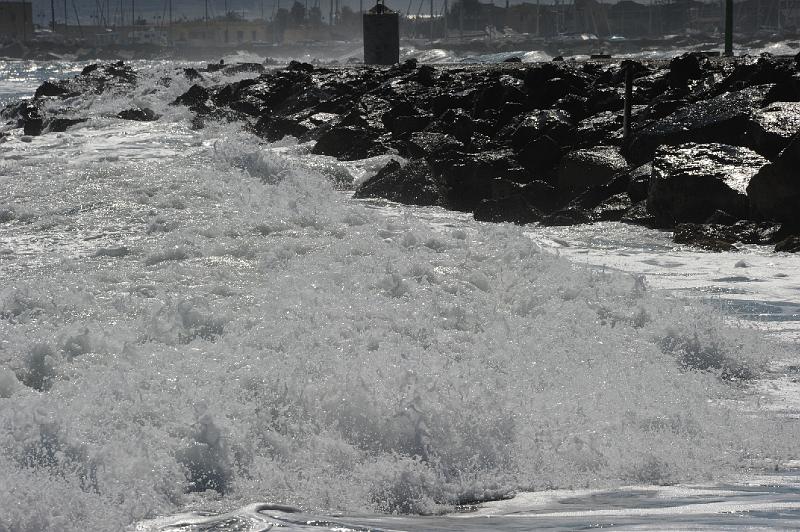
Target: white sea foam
[(202, 321)]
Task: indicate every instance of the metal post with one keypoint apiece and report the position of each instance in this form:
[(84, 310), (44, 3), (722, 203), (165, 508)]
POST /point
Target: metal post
[(53, 15), (626, 118), (729, 28), (431, 19)]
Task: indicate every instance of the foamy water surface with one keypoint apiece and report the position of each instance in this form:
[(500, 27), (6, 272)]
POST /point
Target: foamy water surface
[(199, 331)]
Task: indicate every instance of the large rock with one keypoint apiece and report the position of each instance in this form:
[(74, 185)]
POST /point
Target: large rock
[(774, 191), (349, 143), (724, 119), (470, 176), (412, 184), (716, 237), (582, 169), (691, 182), (774, 126), (514, 209)]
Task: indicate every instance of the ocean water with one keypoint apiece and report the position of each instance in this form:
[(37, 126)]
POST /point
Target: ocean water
[(203, 331)]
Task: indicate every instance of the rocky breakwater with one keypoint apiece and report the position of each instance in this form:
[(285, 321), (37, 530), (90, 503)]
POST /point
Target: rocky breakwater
[(710, 153)]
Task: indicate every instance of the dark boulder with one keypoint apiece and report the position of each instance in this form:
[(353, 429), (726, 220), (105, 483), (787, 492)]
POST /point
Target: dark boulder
[(540, 155), (402, 125), (687, 67), (514, 209), (412, 184), (429, 145), (274, 128), (774, 192), (300, 67), (348, 143), (32, 120), (470, 176), (554, 123), (582, 169), (88, 69), (639, 182), (139, 114), (50, 89), (196, 98), (192, 74), (724, 119), (691, 182), (774, 126)]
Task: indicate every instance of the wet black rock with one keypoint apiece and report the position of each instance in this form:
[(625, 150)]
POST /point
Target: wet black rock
[(348, 143), (470, 176), (582, 169), (692, 181), (687, 67), (196, 98), (514, 209), (774, 191), (139, 114), (412, 184), (774, 126), (49, 89), (32, 120), (274, 128), (724, 119), (567, 216), (192, 74), (540, 155)]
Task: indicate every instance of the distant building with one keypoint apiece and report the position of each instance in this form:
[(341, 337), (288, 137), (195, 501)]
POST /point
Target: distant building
[(220, 32), (16, 20)]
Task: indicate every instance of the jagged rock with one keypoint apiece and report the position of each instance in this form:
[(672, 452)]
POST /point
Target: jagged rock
[(409, 124), (766, 70), (412, 184), (139, 114), (774, 192), (300, 67), (429, 145), (514, 209), (774, 126), (454, 122), (88, 69), (601, 127), (348, 143), (274, 128), (554, 123), (724, 119), (581, 169), (692, 181), (540, 155), (469, 176), (196, 98), (32, 120), (687, 67), (49, 89), (59, 125)]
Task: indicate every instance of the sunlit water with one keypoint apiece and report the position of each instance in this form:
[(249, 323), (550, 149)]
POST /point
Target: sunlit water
[(199, 332)]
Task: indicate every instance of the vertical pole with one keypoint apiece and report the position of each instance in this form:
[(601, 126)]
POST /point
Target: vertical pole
[(431, 19), (445, 19), (626, 118), (729, 28), (66, 17), (53, 15)]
